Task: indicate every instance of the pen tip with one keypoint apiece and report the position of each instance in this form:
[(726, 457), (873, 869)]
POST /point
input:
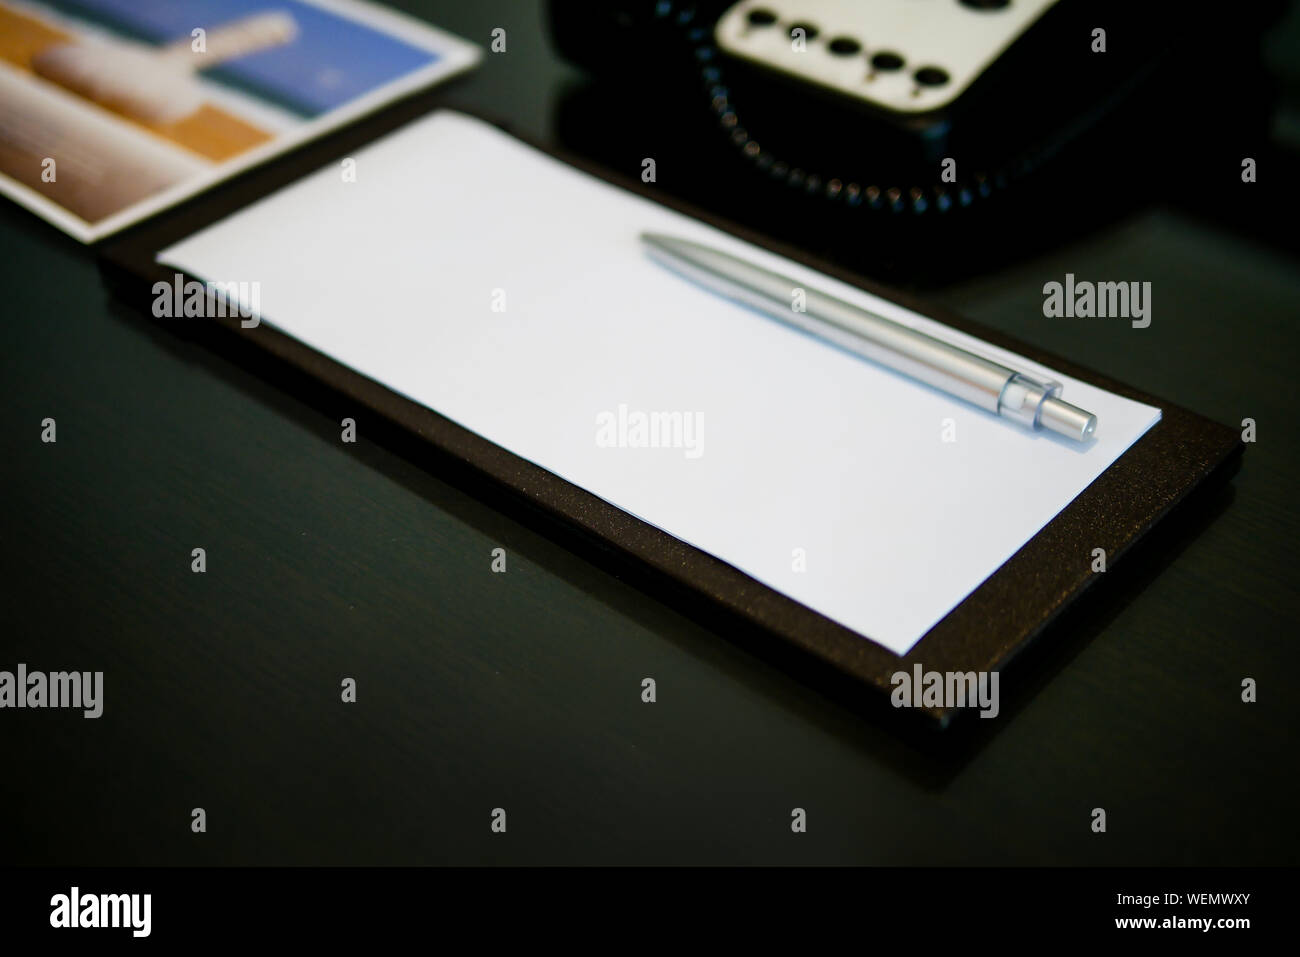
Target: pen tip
[(1068, 420), (663, 241)]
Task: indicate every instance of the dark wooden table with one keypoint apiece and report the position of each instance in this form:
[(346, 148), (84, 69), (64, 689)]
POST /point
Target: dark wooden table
[(522, 691)]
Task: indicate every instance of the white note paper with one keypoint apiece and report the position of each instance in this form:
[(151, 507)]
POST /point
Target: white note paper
[(509, 292)]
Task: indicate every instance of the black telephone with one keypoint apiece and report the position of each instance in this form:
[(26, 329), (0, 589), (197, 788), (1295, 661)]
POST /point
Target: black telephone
[(904, 114)]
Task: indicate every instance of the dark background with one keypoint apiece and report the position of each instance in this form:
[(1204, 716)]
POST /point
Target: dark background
[(522, 690)]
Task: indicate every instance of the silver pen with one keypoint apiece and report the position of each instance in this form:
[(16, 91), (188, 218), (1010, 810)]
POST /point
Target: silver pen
[(1008, 392)]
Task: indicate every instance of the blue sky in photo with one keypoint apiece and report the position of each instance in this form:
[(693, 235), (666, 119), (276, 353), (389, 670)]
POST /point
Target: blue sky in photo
[(332, 61)]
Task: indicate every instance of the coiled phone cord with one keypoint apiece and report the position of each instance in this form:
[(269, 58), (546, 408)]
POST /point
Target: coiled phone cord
[(851, 193)]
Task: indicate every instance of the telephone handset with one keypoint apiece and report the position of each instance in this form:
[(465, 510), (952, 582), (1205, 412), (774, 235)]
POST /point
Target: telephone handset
[(927, 106)]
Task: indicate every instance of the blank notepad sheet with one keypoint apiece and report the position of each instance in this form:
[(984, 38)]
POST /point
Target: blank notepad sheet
[(509, 292)]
